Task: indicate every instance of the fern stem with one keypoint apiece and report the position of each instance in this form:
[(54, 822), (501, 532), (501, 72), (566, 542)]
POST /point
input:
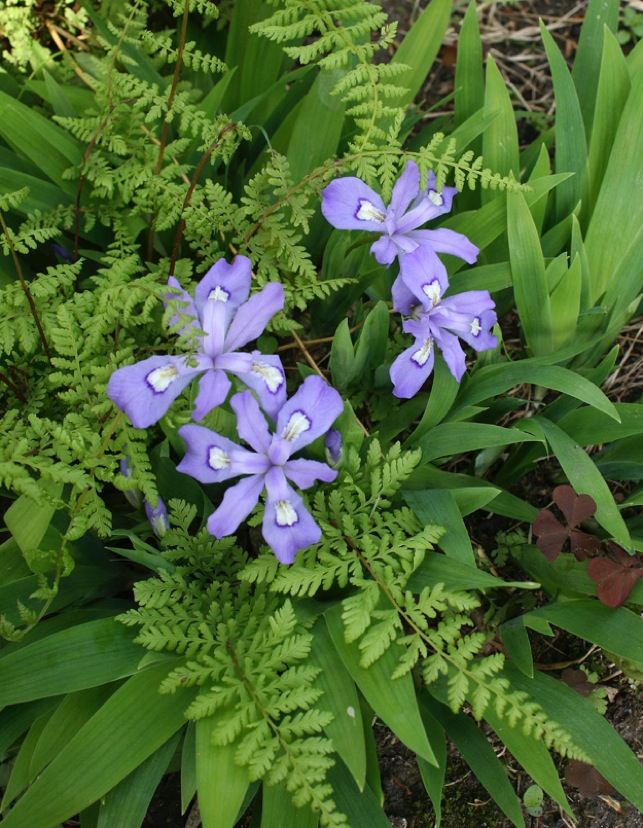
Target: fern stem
[(25, 288), (275, 729), (166, 123), (12, 387), (188, 195), (81, 182)]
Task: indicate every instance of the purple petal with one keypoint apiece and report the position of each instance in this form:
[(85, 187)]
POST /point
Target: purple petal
[(208, 456), (333, 446), (412, 368), (405, 191), (215, 317), (384, 250), (309, 413), (452, 352), (187, 307), (442, 201), (425, 276), (145, 390), (403, 298), (447, 241), (251, 424), (237, 503), (267, 379), (157, 517), (304, 473), (287, 525), (350, 204), (253, 316), (470, 315), (213, 390), (225, 283)]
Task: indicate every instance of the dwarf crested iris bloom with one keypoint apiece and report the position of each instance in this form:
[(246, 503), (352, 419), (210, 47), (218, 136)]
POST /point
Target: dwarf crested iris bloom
[(211, 458), (146, 390), (157, 518), (133, 496), (436, 322), (350, 204)]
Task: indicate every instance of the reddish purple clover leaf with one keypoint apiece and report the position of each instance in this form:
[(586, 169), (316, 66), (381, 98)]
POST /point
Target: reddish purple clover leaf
[(552, 534), (578, 681), (615, 579), (587, 779)]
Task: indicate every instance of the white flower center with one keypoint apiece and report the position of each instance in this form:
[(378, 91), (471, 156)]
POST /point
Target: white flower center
[(218, 459), (369, 212), (297, 424), (435, 198), (285, 515), (475, 326), (218, 294), (269, 374), (160, 379), (432, 291), (424, 353)]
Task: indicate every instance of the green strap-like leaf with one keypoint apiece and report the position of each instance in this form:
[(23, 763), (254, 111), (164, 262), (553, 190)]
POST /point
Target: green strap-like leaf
[(478, 754), (583, 476), (616, 629), (590, 731), (221, 783), (341, 699), (128, 803), (394, 702), (134, 722), (82, 656), (419, 48)]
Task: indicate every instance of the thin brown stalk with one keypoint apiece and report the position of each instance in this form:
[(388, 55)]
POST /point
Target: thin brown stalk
[(166, 123), (13, 387), (25, 289), (188, 195)]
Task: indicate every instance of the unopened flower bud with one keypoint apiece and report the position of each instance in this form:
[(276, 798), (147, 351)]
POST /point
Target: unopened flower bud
[(157, 518)]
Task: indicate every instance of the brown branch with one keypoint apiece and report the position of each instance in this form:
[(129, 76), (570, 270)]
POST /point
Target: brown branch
[(12, 387), (25, 289), (166, 123), (190, 192)]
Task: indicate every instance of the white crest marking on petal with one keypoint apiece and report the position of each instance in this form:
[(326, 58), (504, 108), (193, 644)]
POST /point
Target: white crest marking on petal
[(271, 375), (218, 294), (218, 459), (296, 425), (435, 198), (285, 515), (369, 212), (432, 291), (161, 378), (421, 356), (476, 326)]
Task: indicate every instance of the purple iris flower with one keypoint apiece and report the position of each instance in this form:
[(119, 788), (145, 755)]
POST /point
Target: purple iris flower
[(333, 446), (350, 204), (211, 458), (146, 390), (133, 496), (435, 321), (157, 518)]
